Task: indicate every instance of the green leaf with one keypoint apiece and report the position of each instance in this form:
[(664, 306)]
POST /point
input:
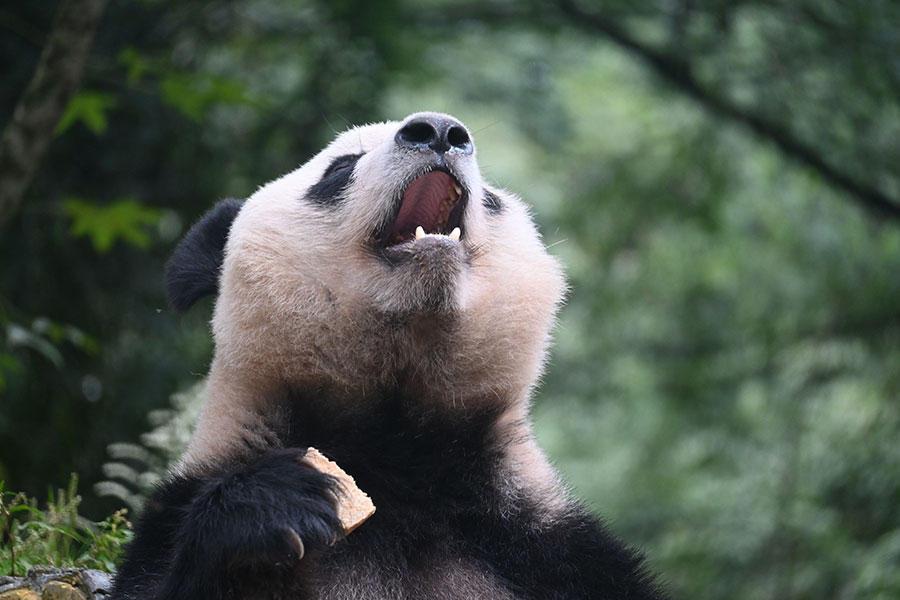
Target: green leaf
[(80, 339), (89, 108), (184, 94), (24, 508), (194, 95), (16, 335), (135, 64), (58, 333), (125, 219)]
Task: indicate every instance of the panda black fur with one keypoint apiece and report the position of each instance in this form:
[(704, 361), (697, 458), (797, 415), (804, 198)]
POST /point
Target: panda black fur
[(409, 362)]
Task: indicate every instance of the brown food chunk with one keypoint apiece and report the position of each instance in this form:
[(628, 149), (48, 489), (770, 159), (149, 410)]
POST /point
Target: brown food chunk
[(354, 506)]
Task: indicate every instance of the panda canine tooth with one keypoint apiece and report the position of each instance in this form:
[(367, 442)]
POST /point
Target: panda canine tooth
[(458, 190), (453, 235)]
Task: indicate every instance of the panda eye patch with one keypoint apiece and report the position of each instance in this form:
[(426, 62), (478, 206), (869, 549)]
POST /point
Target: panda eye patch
[(492, 202), (341, 163), (334, 181)]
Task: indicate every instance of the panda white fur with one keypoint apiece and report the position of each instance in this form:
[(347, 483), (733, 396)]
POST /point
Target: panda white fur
[(410, 362)]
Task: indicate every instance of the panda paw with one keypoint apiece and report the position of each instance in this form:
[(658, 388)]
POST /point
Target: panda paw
[(265, 517)]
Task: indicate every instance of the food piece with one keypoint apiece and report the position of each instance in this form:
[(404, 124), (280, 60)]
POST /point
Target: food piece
[(354, 506)]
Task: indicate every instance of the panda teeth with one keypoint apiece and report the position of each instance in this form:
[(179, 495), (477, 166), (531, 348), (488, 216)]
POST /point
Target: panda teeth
[(453, 235)]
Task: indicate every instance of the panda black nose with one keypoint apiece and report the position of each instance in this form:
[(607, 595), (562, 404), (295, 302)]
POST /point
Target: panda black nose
[(438, 134)]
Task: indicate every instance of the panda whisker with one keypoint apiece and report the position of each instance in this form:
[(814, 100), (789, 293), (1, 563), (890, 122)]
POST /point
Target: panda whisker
[(497, 122), (557, 243)]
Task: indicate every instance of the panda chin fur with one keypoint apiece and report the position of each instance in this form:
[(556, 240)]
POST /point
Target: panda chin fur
[(406, 355), (427, 277)]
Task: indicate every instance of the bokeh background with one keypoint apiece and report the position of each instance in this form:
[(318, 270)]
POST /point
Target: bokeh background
[(720, 178)]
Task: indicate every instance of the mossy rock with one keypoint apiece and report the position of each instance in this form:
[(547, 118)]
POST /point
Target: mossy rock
[(60, 590), (47, 583), (20, 594)]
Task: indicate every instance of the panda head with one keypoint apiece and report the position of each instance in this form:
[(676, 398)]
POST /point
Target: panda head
[(384, 260)]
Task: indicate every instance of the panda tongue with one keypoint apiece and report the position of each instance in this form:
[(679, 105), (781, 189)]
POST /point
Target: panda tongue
[(421, 204)]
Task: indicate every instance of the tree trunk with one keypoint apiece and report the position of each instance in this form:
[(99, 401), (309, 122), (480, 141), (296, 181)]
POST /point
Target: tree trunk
[(56, 77)]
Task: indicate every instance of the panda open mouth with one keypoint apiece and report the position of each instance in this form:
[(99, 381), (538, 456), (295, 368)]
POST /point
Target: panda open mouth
[(431, 205)]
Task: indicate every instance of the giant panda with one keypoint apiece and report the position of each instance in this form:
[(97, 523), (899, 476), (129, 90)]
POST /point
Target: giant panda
[(386, 305)]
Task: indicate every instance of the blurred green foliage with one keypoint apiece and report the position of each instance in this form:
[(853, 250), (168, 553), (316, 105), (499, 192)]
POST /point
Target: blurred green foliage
[(124, 219), (725, 383), (90, 109)]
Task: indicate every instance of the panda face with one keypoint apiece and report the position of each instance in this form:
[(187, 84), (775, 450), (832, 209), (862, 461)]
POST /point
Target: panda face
[(386, 254), (408, 193)]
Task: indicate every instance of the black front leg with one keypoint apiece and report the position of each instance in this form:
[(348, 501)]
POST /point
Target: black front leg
[(240, 533)]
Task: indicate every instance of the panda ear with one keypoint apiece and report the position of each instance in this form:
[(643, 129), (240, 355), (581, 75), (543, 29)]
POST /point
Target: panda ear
[(193, 270)]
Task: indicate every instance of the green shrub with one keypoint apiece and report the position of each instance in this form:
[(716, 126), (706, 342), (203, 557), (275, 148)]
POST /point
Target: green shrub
[(57, 535)]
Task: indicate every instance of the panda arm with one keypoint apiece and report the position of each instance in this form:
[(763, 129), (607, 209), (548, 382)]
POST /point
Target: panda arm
[(257, 520), (148, 556)]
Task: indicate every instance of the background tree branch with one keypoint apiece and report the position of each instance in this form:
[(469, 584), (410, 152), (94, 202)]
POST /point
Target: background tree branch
[(678, 72), (56, 78)]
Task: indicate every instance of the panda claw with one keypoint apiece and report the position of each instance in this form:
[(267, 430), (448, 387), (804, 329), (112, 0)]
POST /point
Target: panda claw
[(307, 463), (296, 542)]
